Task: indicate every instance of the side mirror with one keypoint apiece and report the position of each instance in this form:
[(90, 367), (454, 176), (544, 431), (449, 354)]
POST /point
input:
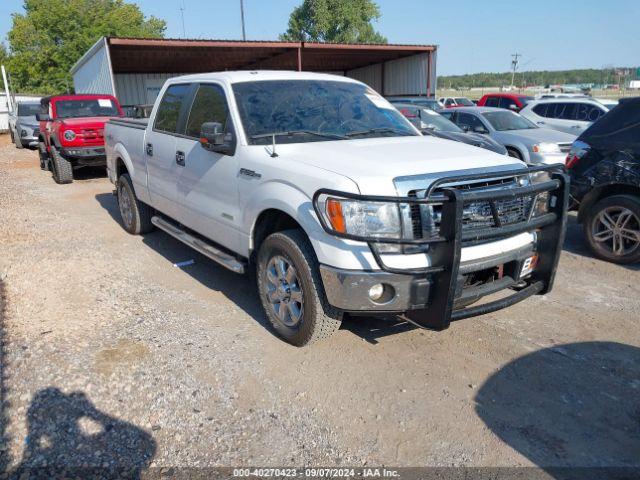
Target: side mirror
[(513, 107), (213, 138), (43, 117)]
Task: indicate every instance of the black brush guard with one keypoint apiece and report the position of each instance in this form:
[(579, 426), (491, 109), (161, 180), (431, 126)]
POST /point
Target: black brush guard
[(445, 248)]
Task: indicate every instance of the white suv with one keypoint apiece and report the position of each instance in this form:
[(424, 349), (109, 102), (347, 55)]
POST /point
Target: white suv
[(570, 115)]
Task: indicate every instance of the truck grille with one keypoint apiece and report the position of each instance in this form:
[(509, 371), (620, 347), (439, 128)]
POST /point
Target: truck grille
[(476, 215)]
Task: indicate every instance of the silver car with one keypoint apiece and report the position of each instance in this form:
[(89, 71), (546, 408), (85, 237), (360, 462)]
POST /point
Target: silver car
[(23, 125), (522, 138), (571, 115)]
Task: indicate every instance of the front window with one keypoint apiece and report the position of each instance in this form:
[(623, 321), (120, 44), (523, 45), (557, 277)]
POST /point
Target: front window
[(28, 109), (95, 107), (315, 110), (504, 121), (465, 102)]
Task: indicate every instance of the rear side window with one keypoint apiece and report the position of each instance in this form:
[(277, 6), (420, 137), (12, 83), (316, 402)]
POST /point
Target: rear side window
[(169, 109), (586, 112), (468, 121), (507, 103), (563, 111), (491, 102), (209, 105)]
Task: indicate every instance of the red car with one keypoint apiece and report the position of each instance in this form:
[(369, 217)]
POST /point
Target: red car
[(510, 101), (71, 132)]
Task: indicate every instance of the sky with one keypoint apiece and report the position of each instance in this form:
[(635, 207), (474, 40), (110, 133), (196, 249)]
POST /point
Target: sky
[(473, 36)]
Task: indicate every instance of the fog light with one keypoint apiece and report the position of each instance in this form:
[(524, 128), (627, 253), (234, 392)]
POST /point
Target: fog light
[(376, 292)]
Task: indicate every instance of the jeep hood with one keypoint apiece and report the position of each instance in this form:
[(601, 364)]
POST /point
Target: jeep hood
[(380, 165), (85, 122)]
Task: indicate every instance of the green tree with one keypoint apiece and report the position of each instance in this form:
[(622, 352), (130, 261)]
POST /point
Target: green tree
[(51, 35), (337, 21)]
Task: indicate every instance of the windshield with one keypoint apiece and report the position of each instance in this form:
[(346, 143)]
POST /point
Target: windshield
[(434, 121), (315, 110), (465, 101), (504, 121), (28, 109), (102, 107)]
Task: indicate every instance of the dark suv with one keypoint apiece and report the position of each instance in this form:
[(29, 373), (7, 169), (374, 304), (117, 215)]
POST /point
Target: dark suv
[(604, 164)]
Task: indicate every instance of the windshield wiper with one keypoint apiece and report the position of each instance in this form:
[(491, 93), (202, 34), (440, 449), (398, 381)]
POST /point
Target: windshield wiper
[(291, 133), (403, 133)]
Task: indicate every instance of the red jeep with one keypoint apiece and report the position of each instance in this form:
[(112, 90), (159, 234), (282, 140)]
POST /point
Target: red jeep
[(72, 132)]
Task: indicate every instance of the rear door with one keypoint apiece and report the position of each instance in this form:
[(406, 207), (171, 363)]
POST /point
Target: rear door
[(208, 186), (160, 148), (561, 116)]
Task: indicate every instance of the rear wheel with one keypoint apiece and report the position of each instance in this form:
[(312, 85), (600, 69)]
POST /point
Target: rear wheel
[(613, 229), (136, 216), (45, 162), (62, 168), (291, 290)]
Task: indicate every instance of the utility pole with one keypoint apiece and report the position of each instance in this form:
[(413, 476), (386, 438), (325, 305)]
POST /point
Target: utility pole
[(514, 66), (244, 35), (182, 9), (6, 89)]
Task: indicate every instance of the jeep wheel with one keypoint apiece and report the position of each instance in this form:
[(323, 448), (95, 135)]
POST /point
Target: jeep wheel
[(62, 169), (613, 229), (136, 216), (45, 162), (291, 290)]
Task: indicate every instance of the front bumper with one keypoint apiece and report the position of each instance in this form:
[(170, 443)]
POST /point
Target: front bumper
[(85, 156), (435, 296)]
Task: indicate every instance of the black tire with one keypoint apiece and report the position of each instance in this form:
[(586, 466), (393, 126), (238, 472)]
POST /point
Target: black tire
[(597, 232), (45, 161), (135, 215), (61, 167), (514, 153), (18, 141), (318, 320)]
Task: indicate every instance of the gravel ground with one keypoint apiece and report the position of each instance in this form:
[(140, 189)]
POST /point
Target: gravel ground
[(114, 357)]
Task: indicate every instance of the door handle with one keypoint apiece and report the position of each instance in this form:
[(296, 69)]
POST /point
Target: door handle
[(540, 123), (149, 149), (180, 158)]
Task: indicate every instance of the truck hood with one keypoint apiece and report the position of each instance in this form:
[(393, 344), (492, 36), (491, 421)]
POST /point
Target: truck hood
[(85, 122), (379, 165)]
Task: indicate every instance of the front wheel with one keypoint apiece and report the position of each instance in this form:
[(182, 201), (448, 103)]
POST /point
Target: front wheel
[(62, 168), (613, 229), (291, 290)]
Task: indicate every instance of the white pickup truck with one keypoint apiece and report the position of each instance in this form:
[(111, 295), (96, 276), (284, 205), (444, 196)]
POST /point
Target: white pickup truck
[(339, 203)]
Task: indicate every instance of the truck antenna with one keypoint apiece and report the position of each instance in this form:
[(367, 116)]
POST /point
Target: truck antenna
[(273, 146)]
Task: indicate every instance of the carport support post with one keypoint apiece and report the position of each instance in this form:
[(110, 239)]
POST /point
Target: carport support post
[(6, 89), (299, 59)]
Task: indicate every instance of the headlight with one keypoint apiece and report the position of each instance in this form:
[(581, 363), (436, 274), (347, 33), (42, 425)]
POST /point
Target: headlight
[(541, 205), (69, 135), (360, 218), (546, 148)]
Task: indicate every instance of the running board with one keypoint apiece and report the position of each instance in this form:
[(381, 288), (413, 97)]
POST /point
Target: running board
[(200, 245)]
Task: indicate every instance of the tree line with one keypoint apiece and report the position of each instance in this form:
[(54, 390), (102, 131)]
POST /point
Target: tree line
[(539, 77)]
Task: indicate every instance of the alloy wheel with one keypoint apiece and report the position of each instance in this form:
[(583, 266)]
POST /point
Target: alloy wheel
[(284, 291), (124, 202), (616, 230)]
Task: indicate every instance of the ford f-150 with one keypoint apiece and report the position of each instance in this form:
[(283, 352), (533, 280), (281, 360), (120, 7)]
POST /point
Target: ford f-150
[(336, 201)]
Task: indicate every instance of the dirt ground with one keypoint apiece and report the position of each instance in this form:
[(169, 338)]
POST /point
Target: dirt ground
[(113, 356)]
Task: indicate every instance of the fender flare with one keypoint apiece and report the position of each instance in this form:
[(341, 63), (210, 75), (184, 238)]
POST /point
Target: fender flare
[(522, 150)]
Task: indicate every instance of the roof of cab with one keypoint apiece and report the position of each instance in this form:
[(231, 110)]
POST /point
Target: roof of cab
[(240, 76)]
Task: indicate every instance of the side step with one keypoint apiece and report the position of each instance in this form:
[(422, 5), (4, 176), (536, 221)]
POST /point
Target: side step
[(200, 245)]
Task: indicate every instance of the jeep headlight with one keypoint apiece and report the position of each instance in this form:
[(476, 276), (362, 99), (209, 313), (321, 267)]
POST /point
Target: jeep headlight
[(69, 135), (360, 218), (546, 148)]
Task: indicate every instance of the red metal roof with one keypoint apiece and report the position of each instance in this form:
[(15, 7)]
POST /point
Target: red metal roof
[(143, 55)]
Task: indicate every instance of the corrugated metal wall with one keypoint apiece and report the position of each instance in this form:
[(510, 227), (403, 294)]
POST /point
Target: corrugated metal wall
[(94, 76), (140, 88), (405, 76), (371, 75)]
